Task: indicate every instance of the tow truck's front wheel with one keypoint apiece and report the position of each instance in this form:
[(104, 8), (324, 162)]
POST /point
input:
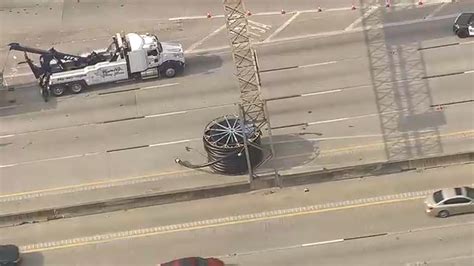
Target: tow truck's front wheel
[(171, 69), (462, 33), (58, 90)]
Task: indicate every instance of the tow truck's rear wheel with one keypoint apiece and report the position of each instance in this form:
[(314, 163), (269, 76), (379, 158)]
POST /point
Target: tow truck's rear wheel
[(58, 90), (77, 87)]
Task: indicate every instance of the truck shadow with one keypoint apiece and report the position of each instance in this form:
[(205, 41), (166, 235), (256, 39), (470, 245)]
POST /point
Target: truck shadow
[(202, 64), (32, 259)]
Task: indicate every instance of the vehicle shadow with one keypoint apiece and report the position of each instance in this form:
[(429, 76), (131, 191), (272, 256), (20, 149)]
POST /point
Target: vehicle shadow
[(202, 64), (32, 259)]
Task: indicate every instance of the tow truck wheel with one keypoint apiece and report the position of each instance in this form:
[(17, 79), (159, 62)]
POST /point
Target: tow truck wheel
[(58, 90), (462, 33), (170, 70), (76, 87)]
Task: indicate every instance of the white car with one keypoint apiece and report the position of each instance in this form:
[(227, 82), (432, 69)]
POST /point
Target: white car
[(450, 201)]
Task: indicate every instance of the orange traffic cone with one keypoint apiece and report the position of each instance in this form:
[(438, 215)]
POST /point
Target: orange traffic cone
[(249, 13), (319, 9), (283, 12), (208, 15), (353, 7), (420, 2)]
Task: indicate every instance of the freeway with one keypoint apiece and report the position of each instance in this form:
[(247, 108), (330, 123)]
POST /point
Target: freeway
[(327, 109), (369, 221)]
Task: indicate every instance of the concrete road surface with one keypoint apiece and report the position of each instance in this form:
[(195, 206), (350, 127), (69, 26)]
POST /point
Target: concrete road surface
[(353, 92), (369, 221)]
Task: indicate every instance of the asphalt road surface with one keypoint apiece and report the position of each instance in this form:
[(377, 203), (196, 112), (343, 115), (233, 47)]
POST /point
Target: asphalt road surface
[(351, 91), (370, 221)]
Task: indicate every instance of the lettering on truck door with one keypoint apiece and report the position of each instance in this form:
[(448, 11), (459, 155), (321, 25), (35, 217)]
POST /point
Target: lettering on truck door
[(112, 73)]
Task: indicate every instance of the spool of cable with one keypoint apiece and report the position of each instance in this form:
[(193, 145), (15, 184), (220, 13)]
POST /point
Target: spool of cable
[(224, 143)]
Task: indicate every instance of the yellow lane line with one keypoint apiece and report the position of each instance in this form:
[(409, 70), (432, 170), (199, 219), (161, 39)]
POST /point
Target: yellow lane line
[(108, 237)]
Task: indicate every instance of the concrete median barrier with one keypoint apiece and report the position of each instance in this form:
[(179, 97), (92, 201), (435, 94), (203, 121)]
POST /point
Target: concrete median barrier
[(285, 179)]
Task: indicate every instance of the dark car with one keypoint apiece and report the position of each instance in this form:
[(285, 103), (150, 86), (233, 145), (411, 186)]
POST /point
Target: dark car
[(9, 255), (194, 261), (464, 25)]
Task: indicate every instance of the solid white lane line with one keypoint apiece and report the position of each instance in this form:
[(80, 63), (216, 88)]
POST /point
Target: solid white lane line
[(436, 11), (464, 43), (172, 142), (401, 23), (328, 121), (7, 136), (10, 106), (282, 27), (8, 165), (265, 26), (166, 114), (254, 34), (470, 71), (318, 64), (347, 137), (159, 86), (194, 17), (51, 159), (325, 10), (198, 43), (322, 242), (17, 75), (258, 28), (320, 93)]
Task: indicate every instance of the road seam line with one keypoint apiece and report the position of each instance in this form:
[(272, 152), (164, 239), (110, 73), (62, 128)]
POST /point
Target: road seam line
[(159, 86)]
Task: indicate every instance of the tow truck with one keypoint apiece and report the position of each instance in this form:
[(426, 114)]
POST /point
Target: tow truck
[(130, 56)]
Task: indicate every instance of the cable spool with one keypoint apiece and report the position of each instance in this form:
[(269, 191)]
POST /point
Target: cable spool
[(224, 143)]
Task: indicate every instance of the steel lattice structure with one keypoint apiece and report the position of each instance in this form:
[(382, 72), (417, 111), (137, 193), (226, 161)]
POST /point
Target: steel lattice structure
[(245, 61)]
